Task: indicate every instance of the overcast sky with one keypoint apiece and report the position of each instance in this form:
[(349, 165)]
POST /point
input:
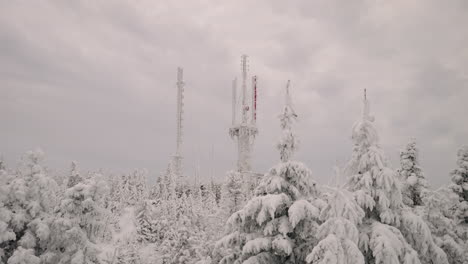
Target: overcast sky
[(94, 80)]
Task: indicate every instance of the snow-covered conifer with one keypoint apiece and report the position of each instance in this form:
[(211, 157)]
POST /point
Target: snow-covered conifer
[(128, 254), (79, 224), (169, 184), (438, 215), (338, 235), (146, 225), (2, 163), (26, 206), (155, 191), (209, 201), (373, 182), (74, 177), (277, 225), (131, 188), (412, 176), (232, 197), (216, 190), (389, 233), (460, 183)]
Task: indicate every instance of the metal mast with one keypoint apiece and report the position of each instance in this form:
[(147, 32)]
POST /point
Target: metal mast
[(177, 161), (245, 130), (366, 109)]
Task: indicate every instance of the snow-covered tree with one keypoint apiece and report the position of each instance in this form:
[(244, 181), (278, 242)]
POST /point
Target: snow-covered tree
[(74, 177), (209, 201), (438, 214), (278, 224), (187, 232), (232, 197), (79, 224), (412, 176), (373, 182), (390, 233), (155, 190), (180, 246), (338, 235), (216, 190), (127, 253), (2, 163), (460, 183), (147, 227), (168, 181), (27, 199), (128, 189)]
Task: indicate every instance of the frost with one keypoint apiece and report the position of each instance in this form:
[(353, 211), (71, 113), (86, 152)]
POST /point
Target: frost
[(257, 245), (342, 203), (333, 250), (24, 256), (388, 246), (412, 176), (301, 210), (460, 183), (282, 245)]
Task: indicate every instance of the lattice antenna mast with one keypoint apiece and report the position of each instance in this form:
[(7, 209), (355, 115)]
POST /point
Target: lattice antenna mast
[(244, 130), (245, 108), (366, 109), (180, 108), (177, 158), (253, 119), (234, 101)]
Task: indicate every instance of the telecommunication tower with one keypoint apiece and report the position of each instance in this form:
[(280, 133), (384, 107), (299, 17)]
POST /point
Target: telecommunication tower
[(245, 129), (177, 158)]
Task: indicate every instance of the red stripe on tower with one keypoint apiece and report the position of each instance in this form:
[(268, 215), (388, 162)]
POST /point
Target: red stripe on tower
[(255, 99)]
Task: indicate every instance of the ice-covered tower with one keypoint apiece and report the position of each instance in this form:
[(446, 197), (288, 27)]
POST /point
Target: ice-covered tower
[(245, 129), (366, 109), (177, 158)]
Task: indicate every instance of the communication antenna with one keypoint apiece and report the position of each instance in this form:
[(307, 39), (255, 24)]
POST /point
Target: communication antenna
[(366, 111), (244, 130), (245, 108), (234, 101), (177, 159), (180, 108), (254, 100)]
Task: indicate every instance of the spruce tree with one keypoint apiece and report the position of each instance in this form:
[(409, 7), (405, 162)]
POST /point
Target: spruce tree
[(277, 225), (232, 197), (460, 183), (74, 176), (438, 214), (27, 200), (338, 234), (412, 176), (147, 229), (127, 253), (79, 224), (390, 233)]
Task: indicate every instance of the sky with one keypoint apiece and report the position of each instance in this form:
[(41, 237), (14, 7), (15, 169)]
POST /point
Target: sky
[(94, 80)]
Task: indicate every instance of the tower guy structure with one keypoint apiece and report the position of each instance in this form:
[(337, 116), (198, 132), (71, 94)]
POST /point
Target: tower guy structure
[(245, 129), (177, 158)]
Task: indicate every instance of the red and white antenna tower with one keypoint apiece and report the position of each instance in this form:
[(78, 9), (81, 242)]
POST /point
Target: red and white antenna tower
[(245, 130)]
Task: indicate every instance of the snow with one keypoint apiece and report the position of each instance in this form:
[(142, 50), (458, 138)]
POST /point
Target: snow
[(301, 210), (380, 216), (333, 250), (389, 246), (257, 245), (282, 245), (127, 226)]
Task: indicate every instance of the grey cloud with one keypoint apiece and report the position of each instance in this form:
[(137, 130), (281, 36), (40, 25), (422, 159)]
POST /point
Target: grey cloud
[(94, 81)]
